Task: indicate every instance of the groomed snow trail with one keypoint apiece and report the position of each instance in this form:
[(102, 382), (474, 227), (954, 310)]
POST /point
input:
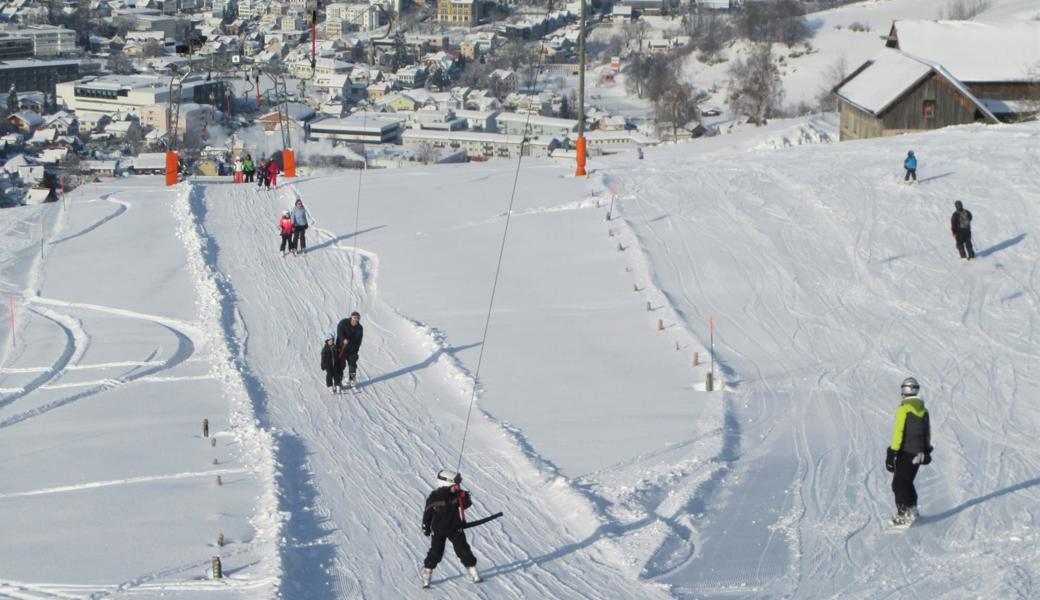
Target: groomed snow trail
[(830, 281), (355, 469)]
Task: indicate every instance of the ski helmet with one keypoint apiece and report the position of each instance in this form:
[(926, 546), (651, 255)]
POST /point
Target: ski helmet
[(448, 478), (329, 336), (356, 314), (910, 387), (286, 213)]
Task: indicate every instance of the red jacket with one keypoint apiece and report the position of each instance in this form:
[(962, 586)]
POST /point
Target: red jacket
[(272, 168), (285, 224)]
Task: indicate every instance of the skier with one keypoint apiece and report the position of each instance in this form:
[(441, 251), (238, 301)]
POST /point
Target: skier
[(349, 334), (911, 447), (960, 226), (299, 219), (285, 227), (248, 168), (239, 178), (910, 164), (639, 152), (272, 173), (331, 364), (443, 520), (261, 174)]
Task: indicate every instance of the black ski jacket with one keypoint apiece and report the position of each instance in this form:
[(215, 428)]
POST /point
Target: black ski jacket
[(443, 515), (328, 357), (956, 221), (352, 334)]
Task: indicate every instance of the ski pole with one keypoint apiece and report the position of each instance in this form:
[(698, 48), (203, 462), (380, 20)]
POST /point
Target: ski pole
[(481, 521)]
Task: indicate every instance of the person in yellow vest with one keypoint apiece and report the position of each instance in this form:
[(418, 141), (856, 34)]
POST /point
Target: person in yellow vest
[(911, 447)]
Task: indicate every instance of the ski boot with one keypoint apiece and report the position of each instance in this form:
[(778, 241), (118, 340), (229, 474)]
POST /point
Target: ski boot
[(425, 576), (473, 575), (353, 381)]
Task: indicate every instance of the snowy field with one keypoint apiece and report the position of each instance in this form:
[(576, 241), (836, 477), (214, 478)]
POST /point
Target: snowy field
[(828, 281)]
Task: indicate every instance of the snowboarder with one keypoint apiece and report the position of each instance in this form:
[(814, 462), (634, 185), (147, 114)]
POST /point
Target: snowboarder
[(443, 520), (248, 168), (285, 227), (349, 334), (239, 177), (911, 447), (960, 225), (331, 364), (272, 173), (261, 174), (910, 164), (299, 219)]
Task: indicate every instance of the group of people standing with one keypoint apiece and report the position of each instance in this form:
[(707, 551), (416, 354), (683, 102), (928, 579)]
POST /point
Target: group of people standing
[(265, 170), (293, 229), (960, 221)]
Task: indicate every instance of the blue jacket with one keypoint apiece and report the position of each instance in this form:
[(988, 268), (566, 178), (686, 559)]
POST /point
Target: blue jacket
[(299, 216), (910, 162)]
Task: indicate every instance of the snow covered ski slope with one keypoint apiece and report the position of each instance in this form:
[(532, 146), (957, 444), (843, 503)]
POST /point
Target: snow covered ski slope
[(828, 280)]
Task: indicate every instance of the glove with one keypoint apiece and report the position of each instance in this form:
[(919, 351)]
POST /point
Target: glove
[(890, 460), (919, 458), (927, 456), (426, 530)]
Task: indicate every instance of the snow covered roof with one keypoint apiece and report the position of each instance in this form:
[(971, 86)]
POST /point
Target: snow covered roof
[(974, 51), (882, 80)]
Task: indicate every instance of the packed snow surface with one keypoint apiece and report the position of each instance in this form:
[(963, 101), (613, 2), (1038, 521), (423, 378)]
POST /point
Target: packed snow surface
[(827, 279)]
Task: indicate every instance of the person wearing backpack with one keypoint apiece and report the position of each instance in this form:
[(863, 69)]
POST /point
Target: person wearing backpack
[(960, 226)]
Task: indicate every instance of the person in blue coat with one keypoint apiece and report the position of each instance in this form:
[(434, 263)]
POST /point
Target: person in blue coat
[(300, 224), (910, 164)]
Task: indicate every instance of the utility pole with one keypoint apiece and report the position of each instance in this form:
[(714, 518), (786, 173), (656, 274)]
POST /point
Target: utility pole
[(580, 172)]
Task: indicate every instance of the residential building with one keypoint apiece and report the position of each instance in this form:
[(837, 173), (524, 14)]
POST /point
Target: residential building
[(193, 119), (411, 77), (458, 13), (33, 74), (535, 125), (13, 46), (487, 145), (114, 93), (365, 128), (504, 81), (48, 40)]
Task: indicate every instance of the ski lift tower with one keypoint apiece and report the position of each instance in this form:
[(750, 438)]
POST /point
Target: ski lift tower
[(173, 118)]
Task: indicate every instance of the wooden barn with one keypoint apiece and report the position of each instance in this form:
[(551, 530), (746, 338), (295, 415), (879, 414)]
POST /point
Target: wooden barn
[(939, 73)]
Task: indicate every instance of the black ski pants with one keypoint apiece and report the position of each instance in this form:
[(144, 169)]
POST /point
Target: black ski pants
[(352, 358), (963, 237), (249, 176), (287, 241), (300, 237), (458, 541), (334, 376), (910, 173), (903, 481)]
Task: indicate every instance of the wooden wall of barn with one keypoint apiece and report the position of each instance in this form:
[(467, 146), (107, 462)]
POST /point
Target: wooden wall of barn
[(951, 107), (857, 124), (1006, 90)]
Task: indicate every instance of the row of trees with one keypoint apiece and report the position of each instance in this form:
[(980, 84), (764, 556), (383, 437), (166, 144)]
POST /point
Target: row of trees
[(658, 77)]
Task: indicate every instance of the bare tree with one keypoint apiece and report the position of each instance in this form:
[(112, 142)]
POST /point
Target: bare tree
[(755, 89), (714, 34), (963, 10), (635, 31), (152, 49), (833, 75), (676, 106)]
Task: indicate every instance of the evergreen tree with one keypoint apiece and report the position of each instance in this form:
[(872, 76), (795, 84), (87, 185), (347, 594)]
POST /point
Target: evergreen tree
[(12, 101)]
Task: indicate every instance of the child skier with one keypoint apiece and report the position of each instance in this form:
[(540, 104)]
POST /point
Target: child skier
[(248, 168), (238, 165), (285, 227), (272, 173), (911, 447), (331, 364), (261, 175), (910, 164), (960, 226), (443, 520)]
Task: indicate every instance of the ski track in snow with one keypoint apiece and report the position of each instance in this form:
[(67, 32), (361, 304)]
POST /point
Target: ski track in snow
[(353, 466)]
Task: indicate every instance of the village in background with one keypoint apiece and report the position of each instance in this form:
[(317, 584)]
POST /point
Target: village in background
[(104, 88)]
